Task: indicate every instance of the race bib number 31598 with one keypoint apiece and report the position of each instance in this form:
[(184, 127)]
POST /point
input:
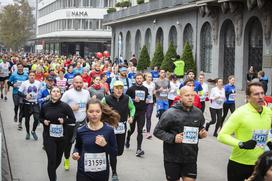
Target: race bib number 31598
[(95, 162), (190, 135)]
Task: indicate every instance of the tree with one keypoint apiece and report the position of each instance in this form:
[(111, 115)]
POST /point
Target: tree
[(144, 60), (169, 58), (158, 56), (16, 24), (188, 58)]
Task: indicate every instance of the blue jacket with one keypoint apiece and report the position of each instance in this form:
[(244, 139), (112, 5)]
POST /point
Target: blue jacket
[(17, 79)]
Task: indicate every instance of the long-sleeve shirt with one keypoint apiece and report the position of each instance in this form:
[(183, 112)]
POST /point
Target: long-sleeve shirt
[(92, 156), (16, 81), (52, 112), (217, 98), (246, 124)]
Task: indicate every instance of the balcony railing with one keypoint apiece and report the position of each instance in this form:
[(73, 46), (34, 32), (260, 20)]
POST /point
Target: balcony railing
[(145, 8)]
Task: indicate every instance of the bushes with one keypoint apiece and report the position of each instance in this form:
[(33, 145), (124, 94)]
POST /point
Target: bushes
[(111, 10), (158, 56), (123, 4), (144, 60), (140, 1), (188, 58), (170, 56)]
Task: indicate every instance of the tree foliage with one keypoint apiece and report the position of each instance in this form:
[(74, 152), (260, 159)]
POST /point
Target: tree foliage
[(144, 60), (158, 56), (16, 24), (169, 58), (188, 58)]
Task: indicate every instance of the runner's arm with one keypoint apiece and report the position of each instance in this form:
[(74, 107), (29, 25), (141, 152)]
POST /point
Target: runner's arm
[(131, 108), (161, 127), (225, 135)]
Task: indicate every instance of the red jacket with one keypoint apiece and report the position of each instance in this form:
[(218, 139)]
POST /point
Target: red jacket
[(197, 102)]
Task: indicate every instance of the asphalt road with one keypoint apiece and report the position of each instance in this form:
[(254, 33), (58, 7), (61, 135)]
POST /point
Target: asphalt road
[(29, 162)]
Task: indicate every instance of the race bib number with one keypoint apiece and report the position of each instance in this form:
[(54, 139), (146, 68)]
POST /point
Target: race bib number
[(260, 136), (56, 130), (95, 162), (219, 101), (120, 128), (140, 94), (190, 135), (163, 94), (232, 97), (18, 83), (70, 81)]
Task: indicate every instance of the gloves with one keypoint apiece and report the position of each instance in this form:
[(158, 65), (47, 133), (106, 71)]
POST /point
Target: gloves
[(248, 145), (269, 144)]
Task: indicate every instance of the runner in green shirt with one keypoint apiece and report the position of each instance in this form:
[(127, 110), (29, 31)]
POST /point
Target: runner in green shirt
[(179, 67), (247, 132)]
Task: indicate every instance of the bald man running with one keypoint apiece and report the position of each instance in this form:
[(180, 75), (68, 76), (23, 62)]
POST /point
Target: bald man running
[(180, 127), (77, 98)]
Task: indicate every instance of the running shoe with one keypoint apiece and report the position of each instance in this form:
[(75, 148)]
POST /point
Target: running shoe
[(27, 136), (2, 96), (127, 144), (148, 136), (34, 135), (15, 119), (139, 153), (66, 164), (114, 177), (20, 126), (6, 98)]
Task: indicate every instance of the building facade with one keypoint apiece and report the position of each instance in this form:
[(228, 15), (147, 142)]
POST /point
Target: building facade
[(226, 36), (70, 27)]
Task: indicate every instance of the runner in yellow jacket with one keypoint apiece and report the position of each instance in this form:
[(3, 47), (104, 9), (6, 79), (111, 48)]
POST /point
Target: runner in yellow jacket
[(247, 132)]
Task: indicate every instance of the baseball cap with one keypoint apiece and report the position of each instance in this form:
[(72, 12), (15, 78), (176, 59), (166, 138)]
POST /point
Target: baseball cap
[(123, 69), (118, 83)]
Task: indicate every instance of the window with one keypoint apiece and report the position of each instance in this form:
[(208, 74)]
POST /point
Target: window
[(84, 24), (173, 36), (188, 35), (69, 24), (76, 24), (206, 48)]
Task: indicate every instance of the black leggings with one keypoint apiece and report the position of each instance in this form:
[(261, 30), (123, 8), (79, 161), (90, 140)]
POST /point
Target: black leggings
[(203, 105), (68, 141), (216, 115), (120, 139), (239, 172), (148, 115), (226, 108), (28, 110), (140, 119), (54, 150)]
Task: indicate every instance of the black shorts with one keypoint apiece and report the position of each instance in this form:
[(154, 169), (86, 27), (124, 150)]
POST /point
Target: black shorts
[(174, 171), (2, 79)]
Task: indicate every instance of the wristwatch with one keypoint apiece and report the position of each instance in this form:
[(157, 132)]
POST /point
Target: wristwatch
[(241, 144)]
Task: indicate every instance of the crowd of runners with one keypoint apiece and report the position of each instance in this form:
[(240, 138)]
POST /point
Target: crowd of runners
[(96, 104)]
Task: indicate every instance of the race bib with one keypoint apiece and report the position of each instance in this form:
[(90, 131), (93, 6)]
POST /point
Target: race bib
[(163, 94), (70, 81), (56, 130), (219, 101), (260, 136), (190, 135), (120, 128), (232, 97), (95, 162), (18, 83), (140, 94), (133, 81)]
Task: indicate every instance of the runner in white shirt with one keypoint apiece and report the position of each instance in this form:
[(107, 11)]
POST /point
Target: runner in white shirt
[(150, 102), (217, 98), (61, 81), (77, 98), (4, 75), (29, 91)]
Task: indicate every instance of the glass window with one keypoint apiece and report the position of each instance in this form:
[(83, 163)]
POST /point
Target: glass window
[(90, 24), (84, 24), (148, 39), (173, 36), (69, 24), (76, 24), (206, 48), (188, 35)]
